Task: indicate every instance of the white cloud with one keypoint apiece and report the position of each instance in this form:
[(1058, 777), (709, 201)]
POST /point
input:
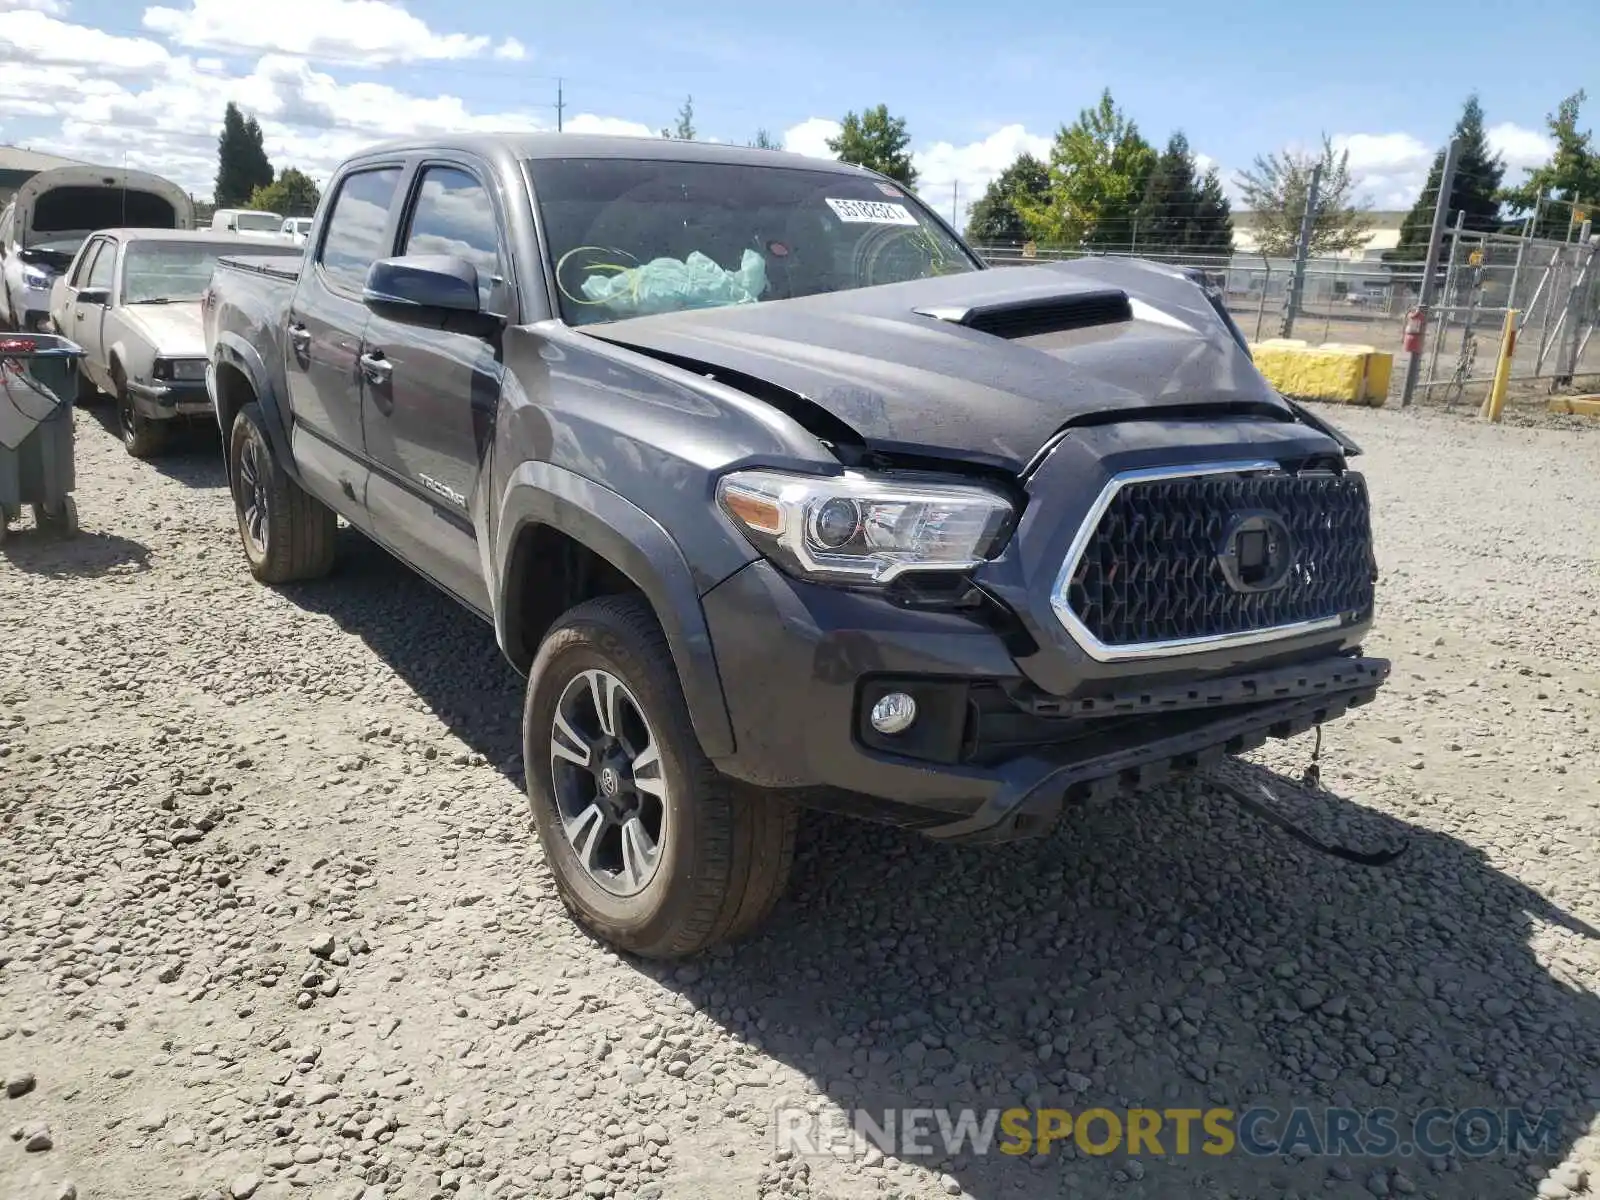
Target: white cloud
[(1521, 148), (55, 8), (362, 32), (1391, 169), (615, 126), (810, 137), (946, 171), (511, 50), (31, 36)]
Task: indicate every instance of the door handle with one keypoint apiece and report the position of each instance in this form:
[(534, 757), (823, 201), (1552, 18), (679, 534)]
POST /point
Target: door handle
[(299, 338), (376, 368)]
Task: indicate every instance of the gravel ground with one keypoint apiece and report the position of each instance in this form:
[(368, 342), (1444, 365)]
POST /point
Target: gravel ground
[(274, 923)]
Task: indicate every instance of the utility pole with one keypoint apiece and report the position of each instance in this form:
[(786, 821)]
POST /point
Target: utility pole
[(561, 103), (955, 191), (1302, 251), (1441, 212)]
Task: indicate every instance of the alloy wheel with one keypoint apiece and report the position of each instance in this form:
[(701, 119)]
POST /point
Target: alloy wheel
[(251, 494), (610, 790)]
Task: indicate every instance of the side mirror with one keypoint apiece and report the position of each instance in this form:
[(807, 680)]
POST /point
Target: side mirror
[(429, 286), (101, 296)]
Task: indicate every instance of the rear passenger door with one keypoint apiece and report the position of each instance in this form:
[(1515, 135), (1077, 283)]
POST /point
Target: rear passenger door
[(322, 344), (429, 403)]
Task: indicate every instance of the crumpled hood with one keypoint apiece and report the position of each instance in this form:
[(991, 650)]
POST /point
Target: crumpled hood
[(907, 380), (174, 330)]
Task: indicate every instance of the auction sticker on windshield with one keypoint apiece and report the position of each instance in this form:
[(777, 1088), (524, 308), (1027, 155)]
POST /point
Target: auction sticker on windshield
[(871, 212)]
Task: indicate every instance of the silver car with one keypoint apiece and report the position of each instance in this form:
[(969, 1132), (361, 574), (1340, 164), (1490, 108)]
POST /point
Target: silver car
[(131, 299)]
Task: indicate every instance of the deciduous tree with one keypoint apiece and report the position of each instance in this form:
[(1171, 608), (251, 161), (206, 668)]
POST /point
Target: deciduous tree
[(1275, 191), (878, 141), (1098, 169), (292, 194), (684, 129), (1571, 175)]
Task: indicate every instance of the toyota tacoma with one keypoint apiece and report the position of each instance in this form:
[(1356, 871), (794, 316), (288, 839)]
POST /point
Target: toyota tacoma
[(779, 497)]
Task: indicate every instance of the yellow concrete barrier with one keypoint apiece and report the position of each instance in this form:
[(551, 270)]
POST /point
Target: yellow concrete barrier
[(1345, 374), (1580, 406)]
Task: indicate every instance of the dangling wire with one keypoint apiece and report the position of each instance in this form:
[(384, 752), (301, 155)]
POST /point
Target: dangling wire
[(1312, 777)]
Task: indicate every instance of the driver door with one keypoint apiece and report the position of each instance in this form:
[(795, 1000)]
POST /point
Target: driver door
[(88, 320), (81, 323)]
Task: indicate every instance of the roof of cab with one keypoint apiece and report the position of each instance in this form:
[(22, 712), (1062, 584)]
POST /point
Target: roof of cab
[(596, 145)]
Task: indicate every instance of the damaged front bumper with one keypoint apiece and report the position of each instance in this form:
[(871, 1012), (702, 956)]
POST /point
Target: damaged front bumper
[(992, 757)]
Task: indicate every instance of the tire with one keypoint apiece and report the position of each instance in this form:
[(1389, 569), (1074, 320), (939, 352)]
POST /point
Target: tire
[(61, 519), (722, 855), (141, 437), (85, 392), (292, 539)]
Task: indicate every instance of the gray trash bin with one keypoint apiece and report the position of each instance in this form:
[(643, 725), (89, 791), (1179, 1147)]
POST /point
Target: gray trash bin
[(36, 464)]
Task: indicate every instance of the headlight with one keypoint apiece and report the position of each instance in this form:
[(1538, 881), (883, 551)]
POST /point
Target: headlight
[(863, 528), (179, 368), (34, 278)]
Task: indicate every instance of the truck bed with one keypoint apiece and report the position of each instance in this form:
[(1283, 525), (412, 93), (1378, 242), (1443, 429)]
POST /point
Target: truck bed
[(273, 266)]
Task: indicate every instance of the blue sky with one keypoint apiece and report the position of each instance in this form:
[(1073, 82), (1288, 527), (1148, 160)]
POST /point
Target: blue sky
[(975, 82)]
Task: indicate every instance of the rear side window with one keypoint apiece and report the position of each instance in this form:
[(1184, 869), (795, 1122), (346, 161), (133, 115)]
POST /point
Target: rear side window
[(455, 216), (105, 263), (355, 227)]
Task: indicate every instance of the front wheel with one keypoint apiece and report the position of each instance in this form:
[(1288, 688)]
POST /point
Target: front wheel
[(651, 848), (287, 533), (141, 437)]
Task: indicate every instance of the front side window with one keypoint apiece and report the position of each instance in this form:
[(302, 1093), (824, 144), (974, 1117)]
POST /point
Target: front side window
[(630, 237), (454, 216), (80, 277), (162, 272), (354, 240), (104, 265)]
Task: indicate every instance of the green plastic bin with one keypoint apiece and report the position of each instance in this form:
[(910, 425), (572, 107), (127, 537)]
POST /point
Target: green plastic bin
[(36, 453)]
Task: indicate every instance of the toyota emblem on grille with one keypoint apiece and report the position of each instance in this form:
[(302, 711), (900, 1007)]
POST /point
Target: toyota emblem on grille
[(1256, 553)]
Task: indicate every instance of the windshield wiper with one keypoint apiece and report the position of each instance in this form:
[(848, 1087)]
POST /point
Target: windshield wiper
[(151, 300)]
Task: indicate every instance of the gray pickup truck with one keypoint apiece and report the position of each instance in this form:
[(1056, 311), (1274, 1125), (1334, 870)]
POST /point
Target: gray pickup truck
[(780, 498)]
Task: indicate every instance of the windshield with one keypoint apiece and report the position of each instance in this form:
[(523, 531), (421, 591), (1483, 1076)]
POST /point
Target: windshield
[(258, 222), (155, 272), (630, 237)]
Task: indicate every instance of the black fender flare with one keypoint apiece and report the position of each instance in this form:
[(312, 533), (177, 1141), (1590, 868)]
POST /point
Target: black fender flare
[(234, 351), (540, 493)]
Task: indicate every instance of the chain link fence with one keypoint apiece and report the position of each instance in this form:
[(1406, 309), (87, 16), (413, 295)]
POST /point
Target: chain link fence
[(1552, 290), (1553, 285)]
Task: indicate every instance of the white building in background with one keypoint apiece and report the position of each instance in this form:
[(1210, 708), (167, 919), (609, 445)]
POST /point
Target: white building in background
[(1384, 235)]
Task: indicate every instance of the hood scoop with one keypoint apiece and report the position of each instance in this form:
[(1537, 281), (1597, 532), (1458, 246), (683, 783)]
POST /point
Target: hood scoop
[(1038, 315)]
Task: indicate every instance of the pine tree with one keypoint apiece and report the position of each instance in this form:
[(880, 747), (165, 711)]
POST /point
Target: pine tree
[(242, 164), (996, 219), (1475, 191), (1182, 212)]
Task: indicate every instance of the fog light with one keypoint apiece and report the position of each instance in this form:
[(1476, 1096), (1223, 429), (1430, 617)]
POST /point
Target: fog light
[(893, 713)]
